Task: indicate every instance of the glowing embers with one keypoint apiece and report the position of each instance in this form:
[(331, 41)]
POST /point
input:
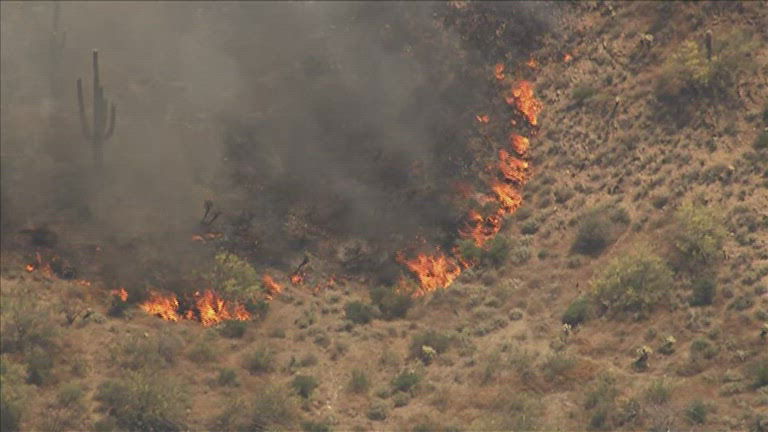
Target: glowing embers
[(209, 309), (483, 118), (433, 271), (273, 288), (522, 97), (121, 293), (519, 144), (498, 71)]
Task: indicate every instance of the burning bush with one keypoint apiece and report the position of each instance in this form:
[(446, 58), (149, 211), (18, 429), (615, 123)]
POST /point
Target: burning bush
[(633, 282)]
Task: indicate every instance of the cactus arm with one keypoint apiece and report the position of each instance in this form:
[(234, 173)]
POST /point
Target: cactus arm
[(111, 129), (83, 121)]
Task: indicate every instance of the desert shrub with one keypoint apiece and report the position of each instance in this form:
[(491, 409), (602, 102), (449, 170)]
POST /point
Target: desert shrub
[(234, 329), (70, 395), (234, 277), (759, 373), (203, 352), (308, 360), (227, 377), (698, 237), (377, 412), (391, 303), (582, 92), (563, 194), (557, 366), (598, 228), (143, 401), (633, 282), (493, 254), (658, 392), (697, 412), (401, 399), (439, 342), (39, 366), (512, 410), (304, 385), (358, 312), (761, 142), (530, 226), (273, 408), (25, 321), (14, 395), (312, 426), (703, 349), (577, 312), (687, 72), (358, 382), (406, 381), (259, 360), (703, 292)]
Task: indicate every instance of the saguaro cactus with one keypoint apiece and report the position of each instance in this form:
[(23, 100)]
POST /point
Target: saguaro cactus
[(101, 130)]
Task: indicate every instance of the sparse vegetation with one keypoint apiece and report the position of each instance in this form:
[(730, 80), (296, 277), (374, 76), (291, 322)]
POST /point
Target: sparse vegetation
[(406, 381), (598, 228), (304, 385), (358, 312), (259, 360), (358, 382)]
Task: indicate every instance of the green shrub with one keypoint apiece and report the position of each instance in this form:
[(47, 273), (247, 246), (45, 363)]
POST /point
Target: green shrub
[(658, 393), (698, 237), (401, 399), (435, 340), (582, 92), (259, 360), (598, 228), (358, 312), (687, 72), (234, 329), (406, 381), (703, 292), (203, 352), (761, 142), (227, 378), (304, 385), (634, 282), (759, 373), (494, 253), (697, 412), (377, 412), (391, 303), (273, 408), (70, 396), (26, 322), (563, 194), (557, 365), (530, 226), (359, 382), (143, 401), (234, 278), (10, 420), (311, 426), (578, 312)]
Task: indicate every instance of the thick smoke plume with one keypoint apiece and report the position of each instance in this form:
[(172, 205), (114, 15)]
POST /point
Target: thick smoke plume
[(307, 124)]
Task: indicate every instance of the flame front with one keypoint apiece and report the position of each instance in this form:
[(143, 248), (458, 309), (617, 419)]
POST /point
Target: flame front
[(512, 168), (434, 271), (165, 307), (520, 144), (273, 288), (523, 99)]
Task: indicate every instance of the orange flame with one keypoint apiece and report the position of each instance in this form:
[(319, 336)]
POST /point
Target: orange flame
[(297, 278), (567, 58), (498, 71), (480, 229), (523, 99), (29, 268), (121, 293), (166, 307), (532, 63), (483, 118), (512, 168), (520, 144), (509, 198), (273, 288), (434, 272)]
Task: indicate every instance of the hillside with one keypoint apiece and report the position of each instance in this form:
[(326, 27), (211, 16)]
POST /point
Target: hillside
[(642, 223)]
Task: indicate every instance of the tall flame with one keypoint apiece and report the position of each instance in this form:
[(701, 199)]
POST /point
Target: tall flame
[(520, 144), (523, 99), (434, 271), (166, 307), (512, 168), (273, 288)]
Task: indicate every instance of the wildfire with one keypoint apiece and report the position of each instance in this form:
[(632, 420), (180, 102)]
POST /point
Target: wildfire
[(121, 293), (509, 198), (209, 308), (567, 58), (166, 307), (483, 118), (498, 71), (520, 144), (434, 272), (523, 99), (512, 168), (297, 278), (273, 288), (532, 63), (207, 237), (480, 229)]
